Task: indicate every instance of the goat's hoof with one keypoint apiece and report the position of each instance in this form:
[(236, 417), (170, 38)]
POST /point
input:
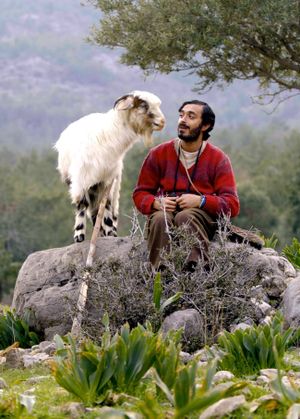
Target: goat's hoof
[(79, 239)]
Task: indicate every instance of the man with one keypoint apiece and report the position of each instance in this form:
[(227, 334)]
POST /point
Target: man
[(186, 181)]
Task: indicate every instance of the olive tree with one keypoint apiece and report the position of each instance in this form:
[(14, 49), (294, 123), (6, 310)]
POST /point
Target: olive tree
[(218, 40)]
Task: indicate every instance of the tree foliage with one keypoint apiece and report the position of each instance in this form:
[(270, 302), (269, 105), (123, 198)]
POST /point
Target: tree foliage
[(35, 209), (218, 40)]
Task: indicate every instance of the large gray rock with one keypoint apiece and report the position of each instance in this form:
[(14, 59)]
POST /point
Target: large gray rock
[(274, 270), (291, 303), (189, 320), (223, 407), (48, 285), (48, 282)]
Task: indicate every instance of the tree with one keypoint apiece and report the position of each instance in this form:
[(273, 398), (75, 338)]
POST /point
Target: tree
[(257, 210), (289, 176), (8, 271), (35, 209), (218, 40)]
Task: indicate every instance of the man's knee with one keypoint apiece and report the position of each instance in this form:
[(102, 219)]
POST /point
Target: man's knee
[(183, 217), (159, 219)]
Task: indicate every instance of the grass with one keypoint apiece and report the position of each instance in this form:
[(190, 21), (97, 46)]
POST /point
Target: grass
[(52, 401), (50, 397)]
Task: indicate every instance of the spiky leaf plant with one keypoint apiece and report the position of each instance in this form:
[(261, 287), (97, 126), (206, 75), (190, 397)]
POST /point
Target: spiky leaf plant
[(15, 329), (248, 351), (135, 351), (167, 358), (292, 253), (85, 371), (157, 295), (118, 364), (191, 394), (270, 242)]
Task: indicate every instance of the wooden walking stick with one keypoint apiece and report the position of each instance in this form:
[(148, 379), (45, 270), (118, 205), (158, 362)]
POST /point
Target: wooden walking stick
[(76, 326)]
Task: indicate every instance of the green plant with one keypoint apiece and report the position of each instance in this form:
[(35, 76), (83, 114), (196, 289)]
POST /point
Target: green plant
[(157, 294), (292, 253), (284, 395), (15, 329), (118, 364), (86, 371), (167, 359), (270, 242), (135, 352), (248, 351), (5, 410), (151, 406), (189, 395)]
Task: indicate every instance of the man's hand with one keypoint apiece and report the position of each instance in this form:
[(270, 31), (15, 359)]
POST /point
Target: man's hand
[(188, 201), (168, 203)]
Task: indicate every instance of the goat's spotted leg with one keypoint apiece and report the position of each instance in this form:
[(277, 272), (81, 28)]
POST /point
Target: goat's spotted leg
[(97, 225), (76, 326), (80, 220)]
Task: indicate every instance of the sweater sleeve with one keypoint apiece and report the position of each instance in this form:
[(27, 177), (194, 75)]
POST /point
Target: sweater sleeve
[(147, 185), (225, 199)]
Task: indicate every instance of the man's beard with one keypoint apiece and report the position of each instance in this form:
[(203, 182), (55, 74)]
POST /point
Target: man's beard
[(192, 136)]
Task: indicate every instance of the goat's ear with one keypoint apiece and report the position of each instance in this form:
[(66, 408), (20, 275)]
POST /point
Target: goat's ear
[(124, 103)]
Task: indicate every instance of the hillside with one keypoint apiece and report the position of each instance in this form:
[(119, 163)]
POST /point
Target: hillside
[(49, 76)]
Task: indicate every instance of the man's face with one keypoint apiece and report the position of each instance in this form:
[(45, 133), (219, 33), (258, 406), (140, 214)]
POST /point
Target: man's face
[(190, 123)]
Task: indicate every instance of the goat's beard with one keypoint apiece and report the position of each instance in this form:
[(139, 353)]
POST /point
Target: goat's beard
[(147, 137), (192, 136)]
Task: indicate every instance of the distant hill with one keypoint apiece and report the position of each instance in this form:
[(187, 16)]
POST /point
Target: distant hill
[(49, 76)]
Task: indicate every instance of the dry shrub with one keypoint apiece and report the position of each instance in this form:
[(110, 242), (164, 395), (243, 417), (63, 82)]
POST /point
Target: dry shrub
[(123, 289), (221, 294)]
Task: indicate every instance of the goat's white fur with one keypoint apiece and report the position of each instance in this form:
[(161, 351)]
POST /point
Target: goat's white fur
[(91, 150)]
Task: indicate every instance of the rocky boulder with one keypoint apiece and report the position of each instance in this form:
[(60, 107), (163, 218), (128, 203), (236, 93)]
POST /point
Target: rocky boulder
[(48, 282), (291, 302)]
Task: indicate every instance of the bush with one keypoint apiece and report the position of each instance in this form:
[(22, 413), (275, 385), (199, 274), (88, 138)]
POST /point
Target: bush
[(15, 329), (119, 363), (221, 293), (131, 292), (292, 253), (123, 289), (248, 351)]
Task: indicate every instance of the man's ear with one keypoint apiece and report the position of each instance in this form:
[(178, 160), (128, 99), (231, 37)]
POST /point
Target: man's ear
[(124, 103), (205, 127)]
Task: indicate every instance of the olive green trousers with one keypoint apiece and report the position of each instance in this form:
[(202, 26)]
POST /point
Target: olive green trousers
[(197, 222)]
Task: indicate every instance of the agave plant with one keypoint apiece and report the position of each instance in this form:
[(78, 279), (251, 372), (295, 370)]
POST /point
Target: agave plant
[(157, 294), (270, 242), (15, 329), (135, 351), (248, 351), (167, 358), (119, 364), (292, 253), (189, 395), (85, 371)]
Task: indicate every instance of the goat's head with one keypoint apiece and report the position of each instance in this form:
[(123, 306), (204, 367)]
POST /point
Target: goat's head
[(144, 113)]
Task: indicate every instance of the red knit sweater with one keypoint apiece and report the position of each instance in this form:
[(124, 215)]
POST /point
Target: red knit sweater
[(213, 177)]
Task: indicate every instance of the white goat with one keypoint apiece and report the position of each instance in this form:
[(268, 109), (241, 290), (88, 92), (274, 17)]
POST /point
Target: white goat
[(91, 152)]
